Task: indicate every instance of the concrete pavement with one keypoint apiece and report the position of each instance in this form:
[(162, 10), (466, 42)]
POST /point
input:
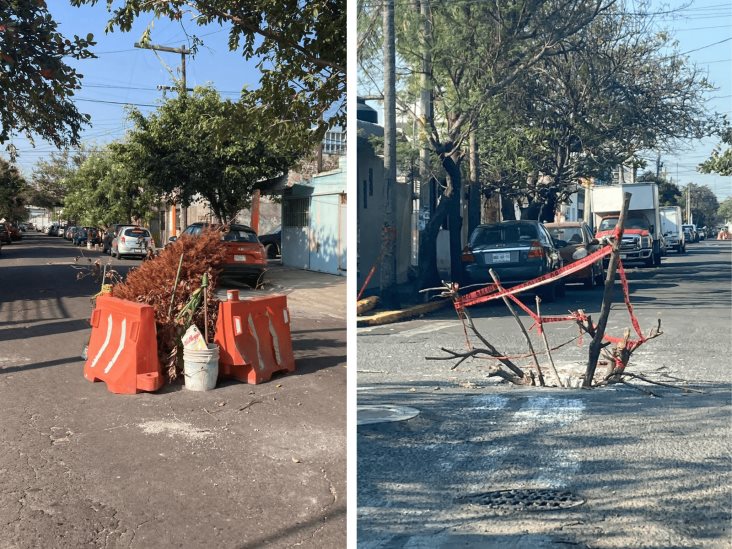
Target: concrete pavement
[(239, 466)]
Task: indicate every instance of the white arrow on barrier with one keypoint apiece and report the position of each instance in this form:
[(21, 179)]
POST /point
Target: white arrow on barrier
[(119, 349), (104, 345)]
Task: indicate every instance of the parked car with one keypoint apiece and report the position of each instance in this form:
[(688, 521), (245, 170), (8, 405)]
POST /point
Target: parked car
[(693, 231), (86, 234), (14, 231), (688, 234), (131, 240), (70, 231), (272, 243), (702, 233), (108, 234), (575, 241), (5, 234), (517, 251), (245, 255), (61, 230)]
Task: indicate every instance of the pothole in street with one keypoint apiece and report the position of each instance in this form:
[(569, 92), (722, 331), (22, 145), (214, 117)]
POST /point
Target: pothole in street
[(371, 414), (542, 499)]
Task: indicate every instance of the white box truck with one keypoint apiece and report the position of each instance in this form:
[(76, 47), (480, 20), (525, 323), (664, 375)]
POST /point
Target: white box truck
[(671, 228), (641, 236)]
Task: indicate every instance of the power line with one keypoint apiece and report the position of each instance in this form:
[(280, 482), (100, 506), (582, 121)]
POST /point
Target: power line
[(707, 46), (116, 102)]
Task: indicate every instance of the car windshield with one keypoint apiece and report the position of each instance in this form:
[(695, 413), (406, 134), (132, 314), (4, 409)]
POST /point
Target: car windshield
[(136, 232), (630, 223), (500, 234), (573, 235), (237, 234)]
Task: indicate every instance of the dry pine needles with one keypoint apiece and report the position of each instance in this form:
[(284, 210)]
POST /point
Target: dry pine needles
[(153, 284)]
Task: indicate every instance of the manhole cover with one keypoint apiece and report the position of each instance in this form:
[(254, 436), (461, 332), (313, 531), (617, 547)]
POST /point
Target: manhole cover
[(369, 414), (546, 499)]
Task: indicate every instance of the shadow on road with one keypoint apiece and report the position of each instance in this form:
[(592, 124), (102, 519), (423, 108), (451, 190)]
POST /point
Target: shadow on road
[(411, 472)]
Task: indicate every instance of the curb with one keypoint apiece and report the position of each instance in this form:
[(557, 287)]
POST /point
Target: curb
[(388, 317)]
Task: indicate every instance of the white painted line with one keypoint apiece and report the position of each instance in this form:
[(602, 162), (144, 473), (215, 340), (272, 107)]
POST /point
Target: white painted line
[(253, 331), (488, 402), (428, 328), (561, 466), (550, 410), (275, 339), (119, 349), (106, 342)]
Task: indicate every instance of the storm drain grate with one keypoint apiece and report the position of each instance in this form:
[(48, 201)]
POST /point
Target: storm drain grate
[(545, 499)]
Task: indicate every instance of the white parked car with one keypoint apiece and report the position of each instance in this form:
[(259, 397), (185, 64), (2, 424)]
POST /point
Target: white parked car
[(131, 240)]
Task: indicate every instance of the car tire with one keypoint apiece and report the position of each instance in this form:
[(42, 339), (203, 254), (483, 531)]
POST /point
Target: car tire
[(271, 250), (561, 288), (549, 293), (600, 277), (591, 281)]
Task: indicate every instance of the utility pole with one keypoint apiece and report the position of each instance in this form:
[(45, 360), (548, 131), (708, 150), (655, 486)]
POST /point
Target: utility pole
[(183, 51), (659, 165), (426, 195), (388, 261)]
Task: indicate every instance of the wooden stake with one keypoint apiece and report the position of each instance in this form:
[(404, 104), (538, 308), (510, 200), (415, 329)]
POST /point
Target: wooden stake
[(495, 278), (175, 285), (607, 297), (546, 343)]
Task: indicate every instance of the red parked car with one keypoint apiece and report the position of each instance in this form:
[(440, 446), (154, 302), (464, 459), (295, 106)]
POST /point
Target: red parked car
[(245, 255), (575, 241)]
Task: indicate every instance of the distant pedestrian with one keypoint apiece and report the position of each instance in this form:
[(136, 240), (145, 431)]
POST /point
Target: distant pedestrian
[(723, 234)]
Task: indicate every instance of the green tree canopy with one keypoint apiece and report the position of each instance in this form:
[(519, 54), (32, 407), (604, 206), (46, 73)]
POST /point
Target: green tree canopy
[(106, 189), (36, 83), (724, 213), (704, 204), (12, 192), (721, 160), (198, 147), (610, 92), (301, 44), (51, 175)]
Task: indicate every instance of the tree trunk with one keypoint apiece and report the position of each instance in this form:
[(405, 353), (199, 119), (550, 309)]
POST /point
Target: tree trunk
[(474, 198), (454, 219), (549, 209), (388, 262), (428, 276), (508, 210), (532, 211)]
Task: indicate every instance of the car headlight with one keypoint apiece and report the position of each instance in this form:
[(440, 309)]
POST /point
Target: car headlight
[(646, 242)]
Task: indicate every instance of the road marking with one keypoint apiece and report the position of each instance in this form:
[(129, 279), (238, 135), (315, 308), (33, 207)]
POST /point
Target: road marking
[(488, 402), (427, 328), (119, 349), (104, 345), (550, 410)]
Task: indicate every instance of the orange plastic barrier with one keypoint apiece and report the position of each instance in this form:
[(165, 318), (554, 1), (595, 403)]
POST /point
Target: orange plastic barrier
[(254, 337), (123, 349)]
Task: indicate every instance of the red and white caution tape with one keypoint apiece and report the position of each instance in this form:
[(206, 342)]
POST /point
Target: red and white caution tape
[(491, 292)]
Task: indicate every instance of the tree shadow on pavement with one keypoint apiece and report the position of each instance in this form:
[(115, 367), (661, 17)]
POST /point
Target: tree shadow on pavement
[(636, 460)]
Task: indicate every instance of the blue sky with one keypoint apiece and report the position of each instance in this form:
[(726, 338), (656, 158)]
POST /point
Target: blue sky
[(125, 74), (703, 28)]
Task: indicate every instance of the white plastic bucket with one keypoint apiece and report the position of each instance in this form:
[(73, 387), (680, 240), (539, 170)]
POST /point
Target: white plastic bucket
[(201, 368)]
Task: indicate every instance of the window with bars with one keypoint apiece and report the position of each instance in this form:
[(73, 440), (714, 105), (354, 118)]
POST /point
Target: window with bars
[(296, 212)]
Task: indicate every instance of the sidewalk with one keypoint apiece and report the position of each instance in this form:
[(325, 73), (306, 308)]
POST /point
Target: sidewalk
[(409, 307), (309, 293)]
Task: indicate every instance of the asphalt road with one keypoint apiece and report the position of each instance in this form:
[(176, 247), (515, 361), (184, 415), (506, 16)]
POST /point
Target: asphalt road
[(644, 471), (239, 466)]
